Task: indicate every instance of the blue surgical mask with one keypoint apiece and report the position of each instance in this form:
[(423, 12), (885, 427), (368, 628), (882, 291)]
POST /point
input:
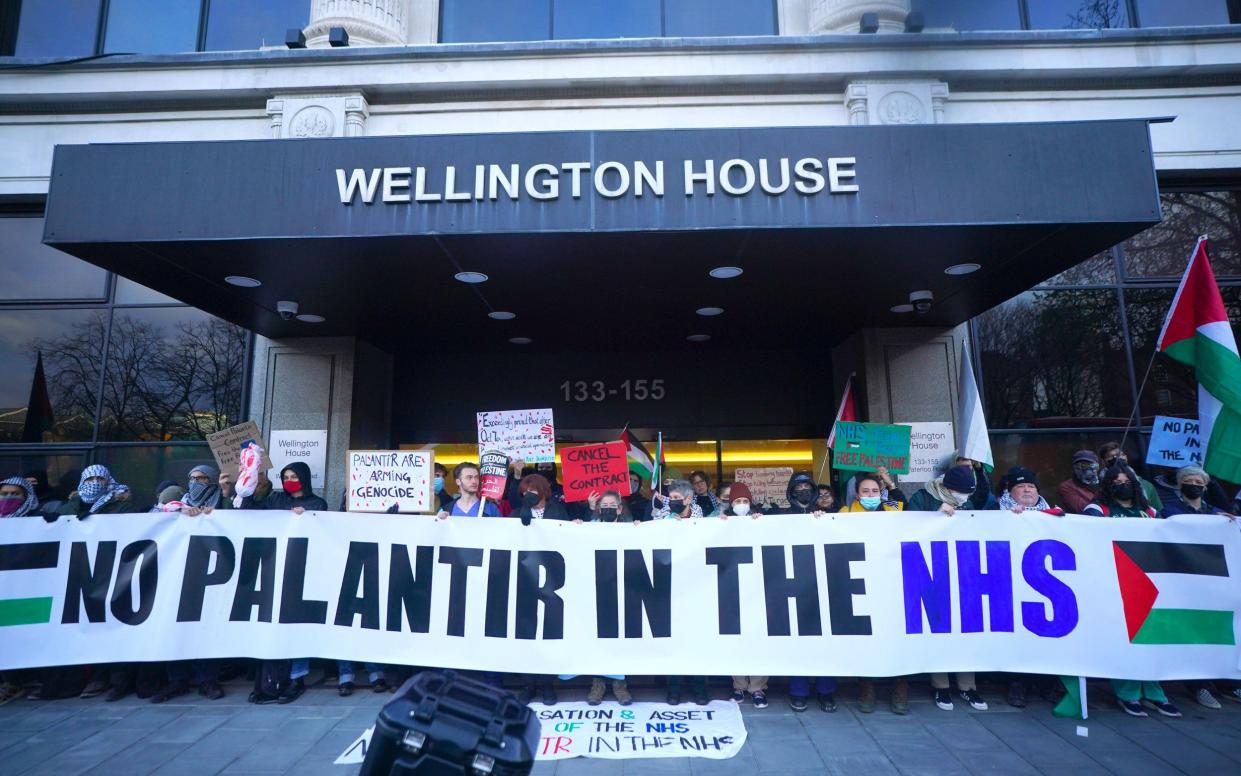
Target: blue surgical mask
[(439, 484), (869, 502)]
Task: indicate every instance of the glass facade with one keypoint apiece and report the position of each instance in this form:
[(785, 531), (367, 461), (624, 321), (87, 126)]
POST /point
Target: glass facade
[(98, 369), (966, 15), (1062, 366)]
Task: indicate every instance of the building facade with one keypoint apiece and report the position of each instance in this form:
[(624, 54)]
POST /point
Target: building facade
[(1061, 339)]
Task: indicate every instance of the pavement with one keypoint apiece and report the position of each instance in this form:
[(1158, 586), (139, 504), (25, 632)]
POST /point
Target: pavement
[(192, 735)]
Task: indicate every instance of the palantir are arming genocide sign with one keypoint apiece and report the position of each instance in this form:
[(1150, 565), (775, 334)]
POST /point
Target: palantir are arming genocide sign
[(849, 594)]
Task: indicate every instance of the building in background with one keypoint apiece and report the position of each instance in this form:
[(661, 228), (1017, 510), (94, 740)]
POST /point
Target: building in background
[(135, 378)]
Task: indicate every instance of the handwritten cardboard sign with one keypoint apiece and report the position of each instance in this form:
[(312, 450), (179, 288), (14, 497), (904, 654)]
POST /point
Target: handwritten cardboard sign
[(594, 468), (1175, 442), (769, 484), (930, 444), (493, 472), (226, 446), (867, 446), (522, 435), (380, 478)]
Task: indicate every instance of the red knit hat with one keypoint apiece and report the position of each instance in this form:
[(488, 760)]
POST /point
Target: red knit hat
[(740, 490)]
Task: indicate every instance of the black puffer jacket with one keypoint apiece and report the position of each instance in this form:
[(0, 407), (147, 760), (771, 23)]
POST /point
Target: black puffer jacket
[(278, 499)]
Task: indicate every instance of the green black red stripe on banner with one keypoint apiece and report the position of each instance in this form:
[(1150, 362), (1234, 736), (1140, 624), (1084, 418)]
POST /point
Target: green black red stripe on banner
[(1135, 561), (27, 557)]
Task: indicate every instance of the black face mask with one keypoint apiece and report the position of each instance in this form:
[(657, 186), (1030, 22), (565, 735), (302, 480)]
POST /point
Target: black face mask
[(676, 506), (530, 498), (608, 514), (1192, 492), (1124, 490), (803, 497)]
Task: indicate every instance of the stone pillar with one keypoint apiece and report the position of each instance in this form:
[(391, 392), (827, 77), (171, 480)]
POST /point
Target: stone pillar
[(896, 102), (368, 22), (337, 384), (341, 114), (846, 15)]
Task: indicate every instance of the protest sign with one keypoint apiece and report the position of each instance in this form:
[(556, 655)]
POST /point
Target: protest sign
[(493, 473), (615, 732), (769, 485), (594, 469), (380, 478), (308, 446), (867, 446), (226, 446), (908, 593), (930, 444), (1175, 442), (522, 435)]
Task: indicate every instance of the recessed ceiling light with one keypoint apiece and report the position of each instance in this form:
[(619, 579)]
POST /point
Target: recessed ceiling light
[(242, 281), (962, 269), (471, 277), (709, 311), (501, 315), (725, 272), (903, 308), (698, 337), (310, 318), (520, 340)]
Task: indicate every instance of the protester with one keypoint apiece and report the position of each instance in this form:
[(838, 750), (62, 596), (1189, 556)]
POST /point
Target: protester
[(802, 493), (537, 501), (1082, 488), (826, 502), (741, 503), (1110, 453), (466, 475), (227, 491), (18, 498), (679, 504), (97, 493), (1021, 493), (723, 494), (608, 507), (442, 496), (1119, 495), (708, 502), (204, 493), (1191, 486), (345, 684), (639, 505), (170, 500)]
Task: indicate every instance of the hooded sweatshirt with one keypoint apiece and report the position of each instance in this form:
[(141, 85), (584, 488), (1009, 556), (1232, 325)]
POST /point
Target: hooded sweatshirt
[(794, 508), (279, 499)]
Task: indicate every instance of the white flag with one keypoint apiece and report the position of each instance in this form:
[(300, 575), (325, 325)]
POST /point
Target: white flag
[(973, 439)]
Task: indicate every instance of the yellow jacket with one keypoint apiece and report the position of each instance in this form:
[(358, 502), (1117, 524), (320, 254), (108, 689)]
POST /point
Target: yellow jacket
[(885, 506)]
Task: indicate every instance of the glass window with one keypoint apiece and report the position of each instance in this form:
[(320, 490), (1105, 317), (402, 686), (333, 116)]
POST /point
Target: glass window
[(58, 472), (607, 19), (152, 26), (61, 407), (1163, 250), (1077, 14), (234, 25), (31, 270), (57, 28), (1054, 358), (173, 374), (144, 467), (1050, 456), (464, 21), (129, 292), (1171, 388), (780, 458), (1178, 13), (970, 14), (688, 18), (1098, 269)]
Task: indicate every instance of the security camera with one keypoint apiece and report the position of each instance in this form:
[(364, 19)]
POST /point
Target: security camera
[(921, 300), (287, 310)]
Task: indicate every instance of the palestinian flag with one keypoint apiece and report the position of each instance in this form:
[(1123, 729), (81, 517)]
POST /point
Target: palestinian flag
[(1197, 333), (640, 461), (847, 411), (1182, 568)]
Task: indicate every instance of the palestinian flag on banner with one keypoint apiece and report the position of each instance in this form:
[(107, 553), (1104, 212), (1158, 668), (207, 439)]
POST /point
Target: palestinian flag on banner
[(847, 411), (640, 461), (1182, 568), (1197, 333)]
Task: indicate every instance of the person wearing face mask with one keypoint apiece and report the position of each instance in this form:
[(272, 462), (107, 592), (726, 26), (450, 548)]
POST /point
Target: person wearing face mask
[(97, 494), (679, 504), (741, 504), (204, 494), (723, 495), (608, 507), (638, 504), (1190, 495), (802, 492), (1110, 453), (18, 498), (1082, 488), (437, 485), (537, 501)]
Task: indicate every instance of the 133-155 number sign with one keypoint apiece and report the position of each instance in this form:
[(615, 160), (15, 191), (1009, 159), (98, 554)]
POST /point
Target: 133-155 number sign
[(598, 390)]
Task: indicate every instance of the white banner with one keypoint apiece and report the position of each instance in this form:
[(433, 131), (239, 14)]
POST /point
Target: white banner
[(849, 594)]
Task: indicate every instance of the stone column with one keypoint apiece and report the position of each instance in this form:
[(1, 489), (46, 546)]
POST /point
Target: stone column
[(845, 15), (368, 22)]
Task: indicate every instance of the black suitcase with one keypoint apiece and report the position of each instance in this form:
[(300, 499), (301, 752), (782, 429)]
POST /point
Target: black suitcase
[(443, 723)]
